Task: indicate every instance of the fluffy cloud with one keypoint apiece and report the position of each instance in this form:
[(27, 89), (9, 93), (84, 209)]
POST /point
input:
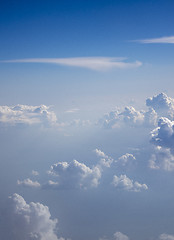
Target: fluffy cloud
[(105, 160), (162, 159), (125, 183), (162, 104), (165, 236), (28, 183), (117, 236), (25, 114), (126, 159), (75, 174), (150, 117), (129, 116), (163, 135), (30, 221), (120, 236)]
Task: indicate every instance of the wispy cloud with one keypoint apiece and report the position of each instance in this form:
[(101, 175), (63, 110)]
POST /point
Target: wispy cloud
[(94, 63), (73, 110), (157, 40)]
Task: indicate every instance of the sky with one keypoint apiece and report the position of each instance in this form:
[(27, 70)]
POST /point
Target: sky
[(86, 120)]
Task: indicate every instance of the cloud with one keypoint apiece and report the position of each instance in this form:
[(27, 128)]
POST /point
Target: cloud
[(94, 63), (27, 114), (75, 174), (162, 104), (120, 236), (162, 138), (150, 118), (51, 185), (158, 106), (117, 236), (105, 160), (28, 183), (157, 40), (73, 110), (165, 236), (163, 135), (29, 221), (34, 173), (162, 158), (126, 159), (125, 183), (128, 116)]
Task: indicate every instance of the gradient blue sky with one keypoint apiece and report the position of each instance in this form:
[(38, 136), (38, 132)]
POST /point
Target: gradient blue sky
[(63, 29), (84, 97)]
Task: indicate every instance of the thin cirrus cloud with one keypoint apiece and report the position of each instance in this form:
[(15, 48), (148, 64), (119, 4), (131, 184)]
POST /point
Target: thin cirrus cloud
[(93, 63), (157, 40)]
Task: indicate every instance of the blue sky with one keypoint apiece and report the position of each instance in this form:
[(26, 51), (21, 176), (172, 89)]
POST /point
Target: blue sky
[(86, 120)]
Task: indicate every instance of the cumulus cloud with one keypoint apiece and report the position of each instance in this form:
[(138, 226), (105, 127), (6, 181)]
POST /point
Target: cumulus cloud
[(150, 117), (126, 159), (120, 236), (158, 106), (94, 63), (105, 160), (117, 236), (75, 174), (128, 116), (162, 104), (169, 39), (125, 183), (162, 159), (165, 236), (30, 221), (163, 135), (26, 114), (28, 183)]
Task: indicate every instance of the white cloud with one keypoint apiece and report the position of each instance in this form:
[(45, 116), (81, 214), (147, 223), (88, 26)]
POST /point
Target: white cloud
[(120, 236), (94, 63), (163, 135), (26, 114), (165, 236), (30, 221), (125, 183), (105, 160), (126, 159), (162, 159), (150, 117), (162, 104), (75, 174), (157, 40), (51, 185), (128, 116), (28, 183), (72, 110), (117, 236)]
